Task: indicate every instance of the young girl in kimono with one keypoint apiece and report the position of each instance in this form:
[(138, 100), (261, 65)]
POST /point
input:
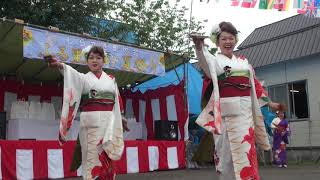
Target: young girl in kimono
[(281, 131), (232, 113), (96, 95)]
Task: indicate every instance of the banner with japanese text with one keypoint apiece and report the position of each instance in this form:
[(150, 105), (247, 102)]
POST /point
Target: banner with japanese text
[(68, 48)]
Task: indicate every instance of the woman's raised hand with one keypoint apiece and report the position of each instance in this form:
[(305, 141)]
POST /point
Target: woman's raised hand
[(274, 106), (198, 40), (53, 62), (124, 124)]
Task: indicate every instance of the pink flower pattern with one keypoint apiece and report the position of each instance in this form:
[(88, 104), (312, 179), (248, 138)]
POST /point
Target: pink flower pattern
[(106, 170), (66, 122), (250, 172)]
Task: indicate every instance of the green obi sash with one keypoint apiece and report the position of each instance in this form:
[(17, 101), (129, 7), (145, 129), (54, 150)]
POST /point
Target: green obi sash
[(76, 162), (98, 95), (244, 73)]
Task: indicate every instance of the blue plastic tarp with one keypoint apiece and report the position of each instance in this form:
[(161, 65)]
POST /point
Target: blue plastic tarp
[(194, 84)]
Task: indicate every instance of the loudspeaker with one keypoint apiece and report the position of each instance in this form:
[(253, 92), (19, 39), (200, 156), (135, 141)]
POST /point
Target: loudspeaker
[(166, 130), (3, 125)]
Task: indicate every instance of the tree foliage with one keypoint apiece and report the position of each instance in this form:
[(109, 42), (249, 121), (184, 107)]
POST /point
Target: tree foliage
[(69, 15), (157, 24), (154, 23)]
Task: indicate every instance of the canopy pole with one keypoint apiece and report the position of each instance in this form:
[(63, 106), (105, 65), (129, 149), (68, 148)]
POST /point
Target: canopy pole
[(185, 77), (20, 65), (41, 69), (5, 34), (175, 70)]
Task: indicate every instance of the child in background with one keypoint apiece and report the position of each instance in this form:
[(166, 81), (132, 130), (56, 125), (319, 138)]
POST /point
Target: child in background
[(281, 132)]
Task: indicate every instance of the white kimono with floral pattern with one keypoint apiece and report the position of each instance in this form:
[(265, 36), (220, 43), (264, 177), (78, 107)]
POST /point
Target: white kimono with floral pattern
[(100, 131), (236, 123)]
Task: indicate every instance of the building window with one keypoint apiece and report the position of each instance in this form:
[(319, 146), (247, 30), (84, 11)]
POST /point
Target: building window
[(294, 95)]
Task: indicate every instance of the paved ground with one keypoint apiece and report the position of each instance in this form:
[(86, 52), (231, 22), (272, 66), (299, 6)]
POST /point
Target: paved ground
[(293, 172)]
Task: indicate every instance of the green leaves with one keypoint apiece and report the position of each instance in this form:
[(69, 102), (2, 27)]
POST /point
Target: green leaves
[(158, 24), (69, 15), (155, 23)]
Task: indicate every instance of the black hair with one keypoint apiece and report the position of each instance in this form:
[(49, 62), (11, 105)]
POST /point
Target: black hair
[(97, 50), (227, 27)]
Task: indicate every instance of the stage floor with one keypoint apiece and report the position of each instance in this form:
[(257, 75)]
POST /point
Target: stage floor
[(293, 172)]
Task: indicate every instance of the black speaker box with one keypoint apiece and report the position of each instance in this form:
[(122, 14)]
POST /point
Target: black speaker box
[(3, 125), (166, 130)]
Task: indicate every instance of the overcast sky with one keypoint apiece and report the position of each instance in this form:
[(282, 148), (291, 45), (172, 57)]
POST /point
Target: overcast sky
[(244, 19)]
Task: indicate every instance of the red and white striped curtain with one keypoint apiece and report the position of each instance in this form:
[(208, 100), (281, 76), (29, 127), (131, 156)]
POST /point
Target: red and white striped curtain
[(47, 159), (165, 103)]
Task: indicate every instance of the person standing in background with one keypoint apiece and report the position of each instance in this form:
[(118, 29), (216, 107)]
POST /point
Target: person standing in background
[(281, 131)]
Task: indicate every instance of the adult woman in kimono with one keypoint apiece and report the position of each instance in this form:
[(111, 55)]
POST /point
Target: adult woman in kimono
[(281, 131), (101, 131), (233, 113)]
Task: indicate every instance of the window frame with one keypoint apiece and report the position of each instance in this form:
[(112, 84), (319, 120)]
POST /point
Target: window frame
[(289, 110)]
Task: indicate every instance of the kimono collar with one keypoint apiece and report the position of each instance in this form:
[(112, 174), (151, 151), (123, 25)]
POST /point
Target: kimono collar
[(234, 58), (98, 76), (224, 56)]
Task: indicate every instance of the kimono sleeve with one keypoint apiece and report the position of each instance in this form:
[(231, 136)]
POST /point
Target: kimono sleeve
[(203, 56), (72, 89), (207, 88), (275, 122), (261, 93), (288, 130), (71, 71), (117, 92), (112, 142), (120, 103)]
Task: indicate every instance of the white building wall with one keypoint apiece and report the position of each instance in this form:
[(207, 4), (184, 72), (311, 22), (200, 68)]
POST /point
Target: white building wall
[(304, 133)]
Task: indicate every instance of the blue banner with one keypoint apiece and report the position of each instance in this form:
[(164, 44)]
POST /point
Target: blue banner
[(68, 48)]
